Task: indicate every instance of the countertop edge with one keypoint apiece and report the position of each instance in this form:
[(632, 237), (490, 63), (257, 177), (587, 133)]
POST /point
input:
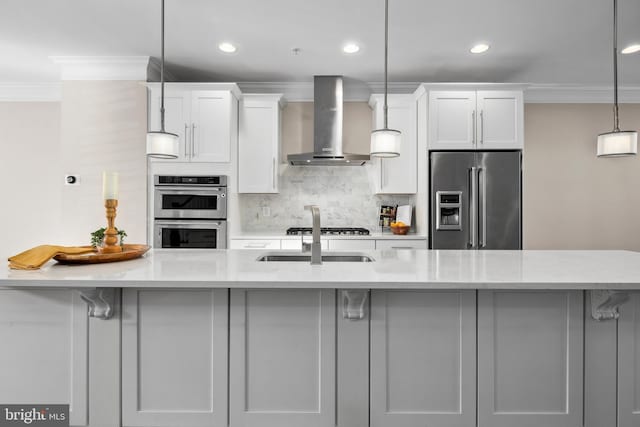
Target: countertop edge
[(172, 284)]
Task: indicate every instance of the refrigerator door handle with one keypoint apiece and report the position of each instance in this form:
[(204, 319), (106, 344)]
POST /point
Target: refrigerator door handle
[(473, 207), (482, 217)]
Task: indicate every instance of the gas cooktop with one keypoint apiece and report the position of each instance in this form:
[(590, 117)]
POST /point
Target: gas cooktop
[(348, 231)]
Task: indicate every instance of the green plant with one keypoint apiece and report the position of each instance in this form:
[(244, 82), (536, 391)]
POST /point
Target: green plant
[(98, 236)]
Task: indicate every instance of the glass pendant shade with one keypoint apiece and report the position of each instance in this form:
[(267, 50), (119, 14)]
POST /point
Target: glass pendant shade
[(385, 143), (162, 145), (618, 143)]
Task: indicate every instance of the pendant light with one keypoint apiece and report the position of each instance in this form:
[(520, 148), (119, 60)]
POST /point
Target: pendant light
[(385, 142), (162, 144), (617, 143)]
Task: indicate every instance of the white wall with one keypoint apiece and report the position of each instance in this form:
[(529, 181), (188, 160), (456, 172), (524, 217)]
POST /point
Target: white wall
[(31, 189), (571, 198), (97, 125), (103, 127)]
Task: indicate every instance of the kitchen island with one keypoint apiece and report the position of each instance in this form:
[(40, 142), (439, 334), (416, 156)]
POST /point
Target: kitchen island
[(391, 269), (414, 338)]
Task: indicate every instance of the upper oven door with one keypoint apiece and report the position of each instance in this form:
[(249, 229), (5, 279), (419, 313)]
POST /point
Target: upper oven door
[(190, 202)]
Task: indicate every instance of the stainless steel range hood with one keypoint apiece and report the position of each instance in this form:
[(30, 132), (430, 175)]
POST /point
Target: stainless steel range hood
[(327, 128)]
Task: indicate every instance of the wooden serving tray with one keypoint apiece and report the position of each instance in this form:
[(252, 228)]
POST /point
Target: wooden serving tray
[(129, 251)]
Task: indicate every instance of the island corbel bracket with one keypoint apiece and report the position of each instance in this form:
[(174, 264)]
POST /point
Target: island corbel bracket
[(100, 301), (353, 304), (605, 304)]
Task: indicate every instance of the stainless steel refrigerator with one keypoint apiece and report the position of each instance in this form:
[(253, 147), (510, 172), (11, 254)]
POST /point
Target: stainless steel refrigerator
[(476, 200)]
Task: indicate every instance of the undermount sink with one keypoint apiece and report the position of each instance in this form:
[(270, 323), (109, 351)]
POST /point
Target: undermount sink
[(326, 257)]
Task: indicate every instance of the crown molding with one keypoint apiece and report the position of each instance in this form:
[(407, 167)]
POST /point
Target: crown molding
[(232, 87), (102, 67), (354, 91), (533, 93), (303, 91), (30, 92), (569, 94)]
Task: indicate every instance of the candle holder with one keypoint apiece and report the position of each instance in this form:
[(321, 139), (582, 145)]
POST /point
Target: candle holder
[(110, 243)]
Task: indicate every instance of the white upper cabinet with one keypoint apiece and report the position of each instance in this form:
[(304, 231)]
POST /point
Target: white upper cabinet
[(259, 143), (452, 120), (469, 120), (211, 125), (206, 120), (398, 175), (500, 119)]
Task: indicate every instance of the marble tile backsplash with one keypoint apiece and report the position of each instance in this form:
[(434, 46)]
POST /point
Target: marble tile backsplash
[(344, 194)]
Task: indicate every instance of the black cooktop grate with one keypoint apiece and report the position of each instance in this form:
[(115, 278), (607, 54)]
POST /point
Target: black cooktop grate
[(347, 231)]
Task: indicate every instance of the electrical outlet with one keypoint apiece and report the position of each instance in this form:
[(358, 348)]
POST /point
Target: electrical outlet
[(72, 179), (266, 211)]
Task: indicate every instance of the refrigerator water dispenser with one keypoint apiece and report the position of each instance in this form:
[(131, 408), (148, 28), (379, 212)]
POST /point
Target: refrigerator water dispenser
[(448, 210)]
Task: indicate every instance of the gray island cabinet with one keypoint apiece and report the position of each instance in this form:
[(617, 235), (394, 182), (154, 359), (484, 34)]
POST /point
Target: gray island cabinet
[(244, 351)]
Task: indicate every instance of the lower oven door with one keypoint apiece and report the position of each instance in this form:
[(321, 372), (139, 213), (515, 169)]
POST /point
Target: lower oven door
[(190, 234)]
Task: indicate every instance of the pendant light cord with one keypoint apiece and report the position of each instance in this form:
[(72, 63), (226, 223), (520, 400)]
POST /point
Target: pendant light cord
[(386, 59), (616, 123), (162, 68)]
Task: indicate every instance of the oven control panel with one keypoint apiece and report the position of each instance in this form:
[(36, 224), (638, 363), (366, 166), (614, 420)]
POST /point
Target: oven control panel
[(214, 180)]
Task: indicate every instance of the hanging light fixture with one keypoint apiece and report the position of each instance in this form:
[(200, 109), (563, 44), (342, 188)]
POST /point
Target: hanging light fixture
[(617, 142), (162, 144), (385, 142)]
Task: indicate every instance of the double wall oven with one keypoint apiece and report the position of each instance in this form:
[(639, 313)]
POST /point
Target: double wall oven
[(190, 212)]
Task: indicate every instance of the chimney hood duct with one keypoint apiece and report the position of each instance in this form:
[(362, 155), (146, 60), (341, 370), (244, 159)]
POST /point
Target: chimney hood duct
[(327, 128)]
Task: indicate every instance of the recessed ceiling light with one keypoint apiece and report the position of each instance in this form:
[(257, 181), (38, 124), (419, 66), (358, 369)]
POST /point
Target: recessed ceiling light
[(632, 48), (227, 47), (479, 48), (351, 48)]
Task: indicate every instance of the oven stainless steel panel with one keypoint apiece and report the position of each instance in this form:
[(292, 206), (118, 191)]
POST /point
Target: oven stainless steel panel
[(190, 202), (190, 234)]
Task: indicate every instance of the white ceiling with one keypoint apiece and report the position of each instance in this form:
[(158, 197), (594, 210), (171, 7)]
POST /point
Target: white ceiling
[(532, 41)]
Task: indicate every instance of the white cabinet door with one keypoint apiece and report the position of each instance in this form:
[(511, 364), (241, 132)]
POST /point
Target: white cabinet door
[(351, 245), (254, 244), (296, 244), (398, 175), (500, 115), (258, 144), (423, 359), (283, 358), (452, 120), (44, 336), (401, 244), (530, 358), (629, 363), (211, 125), (177, 105), (174, 358)]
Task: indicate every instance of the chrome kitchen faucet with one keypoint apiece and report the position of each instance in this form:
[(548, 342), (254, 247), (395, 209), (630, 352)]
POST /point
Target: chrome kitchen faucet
[(316, 248)]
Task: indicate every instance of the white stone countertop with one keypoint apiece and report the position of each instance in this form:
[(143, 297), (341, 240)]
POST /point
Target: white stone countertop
[(372, 236), (392, 269)]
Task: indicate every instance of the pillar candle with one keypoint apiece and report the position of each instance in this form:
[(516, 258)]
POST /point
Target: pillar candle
[(110, 185)]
